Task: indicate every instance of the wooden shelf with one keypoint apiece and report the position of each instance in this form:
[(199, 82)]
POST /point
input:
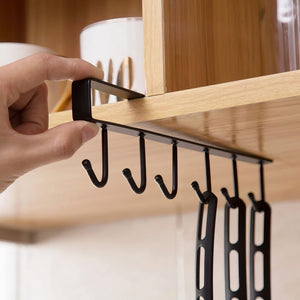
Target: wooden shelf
[(259, 115)]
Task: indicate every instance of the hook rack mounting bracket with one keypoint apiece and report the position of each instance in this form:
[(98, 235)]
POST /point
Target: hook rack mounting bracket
[(82, 110)]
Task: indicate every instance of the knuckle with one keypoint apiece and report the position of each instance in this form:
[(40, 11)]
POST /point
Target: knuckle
[(43, 91), (43, 57), (44, 60), (43, 88), (75, 66), (64, 148)]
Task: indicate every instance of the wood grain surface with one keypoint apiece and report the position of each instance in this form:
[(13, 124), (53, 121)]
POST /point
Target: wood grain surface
[(208, 42), (154, 47), (12, 20)]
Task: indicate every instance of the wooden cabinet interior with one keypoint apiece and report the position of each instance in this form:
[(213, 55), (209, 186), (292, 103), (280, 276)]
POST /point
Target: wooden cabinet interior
[(200, 42), (12, 21), (56, 24), (209, 42)]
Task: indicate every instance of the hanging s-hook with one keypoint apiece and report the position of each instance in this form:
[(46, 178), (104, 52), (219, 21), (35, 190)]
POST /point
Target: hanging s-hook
[(260, 206), (205, 244), (160, 180), (127, 172), (239, 246), (88, 166)]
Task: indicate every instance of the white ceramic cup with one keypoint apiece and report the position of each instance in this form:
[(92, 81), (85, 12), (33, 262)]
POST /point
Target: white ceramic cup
[(117, 47), (11, 52)]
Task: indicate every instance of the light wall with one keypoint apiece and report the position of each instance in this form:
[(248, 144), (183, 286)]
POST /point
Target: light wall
[(149, 259)]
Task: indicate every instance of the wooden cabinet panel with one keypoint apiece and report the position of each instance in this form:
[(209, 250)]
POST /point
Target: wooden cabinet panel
[(208, 42), (12, 21), (57, 24)]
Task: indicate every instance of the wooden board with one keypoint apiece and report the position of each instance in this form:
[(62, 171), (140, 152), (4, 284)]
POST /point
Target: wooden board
[(12, 21), (153, 23), (260, 115), (199, 100), (209, 42)]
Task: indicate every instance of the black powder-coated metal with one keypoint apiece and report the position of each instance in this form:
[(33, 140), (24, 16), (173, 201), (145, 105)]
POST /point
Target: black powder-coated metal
[(88, 166), (160, 181), (205, 245), (82, 110), (264, 248), (239, 246), (207, 170), (127, 172)]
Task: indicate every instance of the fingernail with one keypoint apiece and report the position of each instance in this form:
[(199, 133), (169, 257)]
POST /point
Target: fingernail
[(89, 131)]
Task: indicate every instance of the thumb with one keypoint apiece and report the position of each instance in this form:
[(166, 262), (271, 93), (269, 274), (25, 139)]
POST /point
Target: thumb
[(59, 143)]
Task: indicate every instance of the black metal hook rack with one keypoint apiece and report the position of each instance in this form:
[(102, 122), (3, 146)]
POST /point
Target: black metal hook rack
[(82, 110)]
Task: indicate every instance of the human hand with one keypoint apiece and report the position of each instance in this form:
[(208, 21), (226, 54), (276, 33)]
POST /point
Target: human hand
[(25, 141)]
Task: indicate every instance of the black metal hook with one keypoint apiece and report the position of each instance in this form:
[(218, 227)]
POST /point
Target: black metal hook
[(88, 166), (240, 244), (160, 180), (232, 200), (258, 204), (127, 172), (202, 196), (207, 242)]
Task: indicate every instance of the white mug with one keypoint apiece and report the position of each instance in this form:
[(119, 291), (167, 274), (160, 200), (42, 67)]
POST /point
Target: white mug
[(116, 46), (10, 52)]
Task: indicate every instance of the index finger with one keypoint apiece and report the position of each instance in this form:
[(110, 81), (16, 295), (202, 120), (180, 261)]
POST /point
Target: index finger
[(30, 72)]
